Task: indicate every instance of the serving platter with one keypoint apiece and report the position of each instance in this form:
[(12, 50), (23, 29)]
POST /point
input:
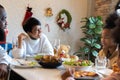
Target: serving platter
[(88, 78), (86, 75), (105, 72)]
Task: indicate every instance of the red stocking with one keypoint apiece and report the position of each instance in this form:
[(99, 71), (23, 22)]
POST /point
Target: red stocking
[(28, 14)]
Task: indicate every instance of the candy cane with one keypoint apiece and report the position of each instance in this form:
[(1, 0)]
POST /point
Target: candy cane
[(47, 25)]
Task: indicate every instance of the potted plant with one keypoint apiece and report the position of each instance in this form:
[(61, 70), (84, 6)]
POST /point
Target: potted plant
[(92, 34)]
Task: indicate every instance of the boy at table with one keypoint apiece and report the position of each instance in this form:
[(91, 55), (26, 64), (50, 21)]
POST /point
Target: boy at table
[(4, 58), (33, 42)]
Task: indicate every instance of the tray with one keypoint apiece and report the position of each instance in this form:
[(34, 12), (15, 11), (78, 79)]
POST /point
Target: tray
[(86, 75)]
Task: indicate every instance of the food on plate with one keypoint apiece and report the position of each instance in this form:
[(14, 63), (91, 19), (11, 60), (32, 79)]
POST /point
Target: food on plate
[(92, 74), (74, 57), (115, 68), (78, 63), (32, 63), (38, 57), (80, 73), (49, 61), (47, 58), (25, 63)]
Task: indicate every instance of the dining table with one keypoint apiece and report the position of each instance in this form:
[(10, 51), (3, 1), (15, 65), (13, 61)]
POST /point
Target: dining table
[(39, 73), (35, 72)]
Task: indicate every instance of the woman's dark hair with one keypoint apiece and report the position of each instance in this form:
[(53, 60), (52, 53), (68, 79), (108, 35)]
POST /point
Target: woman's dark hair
[(110, 21), (30, 23), (116, 32), (117, 5), (116, 35)]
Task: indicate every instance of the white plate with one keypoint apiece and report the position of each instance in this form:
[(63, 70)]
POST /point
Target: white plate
[(105, 72), (26, 64), (23, 66)]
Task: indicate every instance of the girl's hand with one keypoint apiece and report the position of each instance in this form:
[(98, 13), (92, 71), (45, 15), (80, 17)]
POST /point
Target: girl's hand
[(67, 75)]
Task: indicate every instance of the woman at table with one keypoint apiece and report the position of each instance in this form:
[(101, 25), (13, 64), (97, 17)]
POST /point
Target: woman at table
[(109, 45), (116, 37), (109, 49), (4, 58), (33, 42)]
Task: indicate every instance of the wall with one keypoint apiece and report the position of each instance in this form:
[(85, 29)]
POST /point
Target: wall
[(78, 9), (104, 7)]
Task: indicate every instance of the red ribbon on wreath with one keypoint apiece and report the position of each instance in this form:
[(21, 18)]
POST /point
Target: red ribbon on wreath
[(60, 21), (62, 24)]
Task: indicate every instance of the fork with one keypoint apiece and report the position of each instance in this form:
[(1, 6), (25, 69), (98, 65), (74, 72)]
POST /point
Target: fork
[(20, 62)]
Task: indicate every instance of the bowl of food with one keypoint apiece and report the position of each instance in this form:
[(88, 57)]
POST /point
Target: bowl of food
[(78, 65), (49, 61)]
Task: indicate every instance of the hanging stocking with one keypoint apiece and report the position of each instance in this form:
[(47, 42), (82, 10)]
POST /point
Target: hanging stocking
[(28, 14)]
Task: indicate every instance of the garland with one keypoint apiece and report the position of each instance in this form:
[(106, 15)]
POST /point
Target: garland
[(61, 22)]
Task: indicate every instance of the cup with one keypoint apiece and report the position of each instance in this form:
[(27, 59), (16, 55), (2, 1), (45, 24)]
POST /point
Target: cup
[(17, 53), (101, 62)]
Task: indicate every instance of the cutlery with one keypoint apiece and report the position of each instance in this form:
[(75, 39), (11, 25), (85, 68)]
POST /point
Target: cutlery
[(99, 73), (20, 63)]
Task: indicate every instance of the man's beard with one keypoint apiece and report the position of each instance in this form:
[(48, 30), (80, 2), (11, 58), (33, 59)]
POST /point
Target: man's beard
[(2, 35)]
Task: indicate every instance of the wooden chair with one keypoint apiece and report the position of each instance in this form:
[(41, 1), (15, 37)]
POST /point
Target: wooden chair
[(7, 47)]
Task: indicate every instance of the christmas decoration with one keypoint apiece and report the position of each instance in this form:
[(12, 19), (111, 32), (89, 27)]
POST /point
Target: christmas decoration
[(61, 19), (28, 14), (47, 25), (48, 12)]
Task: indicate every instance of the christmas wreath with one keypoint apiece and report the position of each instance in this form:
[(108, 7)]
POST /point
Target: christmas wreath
[(61, 20)]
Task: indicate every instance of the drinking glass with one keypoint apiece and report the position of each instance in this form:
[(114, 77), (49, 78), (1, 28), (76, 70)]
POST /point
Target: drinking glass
[(56, 45), (101, 62), (14, 42)]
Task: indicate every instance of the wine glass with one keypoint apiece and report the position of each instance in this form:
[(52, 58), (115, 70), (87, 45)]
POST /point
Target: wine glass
[(14, 42), (56, 45), (18, 52)]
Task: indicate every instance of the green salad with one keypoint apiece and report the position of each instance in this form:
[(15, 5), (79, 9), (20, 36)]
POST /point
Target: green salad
[(78, 63), (38, 57)]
